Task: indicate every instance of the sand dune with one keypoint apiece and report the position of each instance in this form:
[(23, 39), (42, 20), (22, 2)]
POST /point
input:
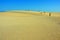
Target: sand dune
[(29, 26)]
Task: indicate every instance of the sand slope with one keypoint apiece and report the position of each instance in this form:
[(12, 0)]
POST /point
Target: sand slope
[(18, 26)]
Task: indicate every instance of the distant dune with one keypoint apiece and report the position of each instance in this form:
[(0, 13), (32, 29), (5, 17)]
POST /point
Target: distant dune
[(55, 14), (29, 25)]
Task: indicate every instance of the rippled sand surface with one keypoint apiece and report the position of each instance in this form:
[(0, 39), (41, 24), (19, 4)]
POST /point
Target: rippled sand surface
[(15, 26)]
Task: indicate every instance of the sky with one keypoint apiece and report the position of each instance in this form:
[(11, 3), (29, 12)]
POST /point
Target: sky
[(34, 5)]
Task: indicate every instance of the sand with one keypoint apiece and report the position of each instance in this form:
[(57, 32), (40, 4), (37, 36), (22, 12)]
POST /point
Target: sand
[(20, 26)]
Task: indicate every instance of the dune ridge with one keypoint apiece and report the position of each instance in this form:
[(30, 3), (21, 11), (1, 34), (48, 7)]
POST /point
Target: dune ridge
[(57, 14)]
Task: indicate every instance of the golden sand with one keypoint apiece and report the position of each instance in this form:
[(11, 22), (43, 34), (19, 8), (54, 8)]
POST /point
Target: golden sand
[(25, 26)]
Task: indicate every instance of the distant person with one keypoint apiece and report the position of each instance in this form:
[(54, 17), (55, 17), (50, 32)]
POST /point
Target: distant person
[(49, 14)]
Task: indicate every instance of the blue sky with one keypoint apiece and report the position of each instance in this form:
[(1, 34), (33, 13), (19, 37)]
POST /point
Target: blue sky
[(36, 5)]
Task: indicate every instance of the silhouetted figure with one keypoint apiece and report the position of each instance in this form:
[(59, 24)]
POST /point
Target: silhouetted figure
[(49, 14)]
